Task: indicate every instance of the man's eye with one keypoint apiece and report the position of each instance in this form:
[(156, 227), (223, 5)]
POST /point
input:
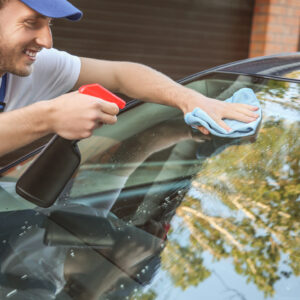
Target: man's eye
[(30, 23)]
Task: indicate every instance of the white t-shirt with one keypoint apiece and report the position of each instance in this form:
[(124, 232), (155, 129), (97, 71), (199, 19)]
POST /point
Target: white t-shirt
[(54, 73)]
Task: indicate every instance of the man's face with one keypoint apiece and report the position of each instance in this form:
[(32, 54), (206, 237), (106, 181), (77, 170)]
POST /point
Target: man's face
[(23, 33)]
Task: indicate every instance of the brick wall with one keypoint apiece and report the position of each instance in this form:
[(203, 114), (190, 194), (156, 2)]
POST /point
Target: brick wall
[(275, 27)]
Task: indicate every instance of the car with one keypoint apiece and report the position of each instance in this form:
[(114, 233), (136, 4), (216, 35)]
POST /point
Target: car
[(157, 210)]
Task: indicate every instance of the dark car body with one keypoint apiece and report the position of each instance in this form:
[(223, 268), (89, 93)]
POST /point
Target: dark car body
[(157, 210)]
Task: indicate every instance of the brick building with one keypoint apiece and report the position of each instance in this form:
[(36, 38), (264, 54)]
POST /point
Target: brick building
[(275, 27), (181, 37)]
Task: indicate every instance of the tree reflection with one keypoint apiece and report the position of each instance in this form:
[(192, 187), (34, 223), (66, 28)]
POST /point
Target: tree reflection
[(260, 185), (186, 265), (151, 295)]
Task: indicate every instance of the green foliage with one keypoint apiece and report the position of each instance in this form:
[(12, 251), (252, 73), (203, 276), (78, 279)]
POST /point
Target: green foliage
[(185, 265), (150, 295)]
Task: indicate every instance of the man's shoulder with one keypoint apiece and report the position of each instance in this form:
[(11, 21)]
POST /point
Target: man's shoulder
[(55, 60)]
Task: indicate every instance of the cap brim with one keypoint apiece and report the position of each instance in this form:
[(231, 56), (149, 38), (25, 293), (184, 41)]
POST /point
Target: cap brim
[(55, 9)]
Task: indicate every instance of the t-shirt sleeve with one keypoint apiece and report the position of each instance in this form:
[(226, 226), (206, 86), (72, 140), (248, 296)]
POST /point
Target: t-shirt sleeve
[(55, 73)]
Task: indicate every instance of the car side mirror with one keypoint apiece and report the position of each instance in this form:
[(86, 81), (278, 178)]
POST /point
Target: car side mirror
[(47, 176)]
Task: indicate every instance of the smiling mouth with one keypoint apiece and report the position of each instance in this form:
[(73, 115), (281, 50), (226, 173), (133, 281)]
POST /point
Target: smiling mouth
[(31, 53)]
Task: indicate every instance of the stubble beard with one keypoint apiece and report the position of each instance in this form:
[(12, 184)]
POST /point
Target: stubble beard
[(8, 59)]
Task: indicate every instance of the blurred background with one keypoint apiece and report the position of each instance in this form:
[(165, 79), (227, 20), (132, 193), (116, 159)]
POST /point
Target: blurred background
[(181, 37)]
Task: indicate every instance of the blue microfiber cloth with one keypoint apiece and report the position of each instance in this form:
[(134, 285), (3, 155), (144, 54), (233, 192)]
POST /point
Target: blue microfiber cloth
[(239, 129)]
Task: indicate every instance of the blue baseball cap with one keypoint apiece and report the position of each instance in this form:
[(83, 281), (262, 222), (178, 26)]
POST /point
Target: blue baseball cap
[(55, 8)]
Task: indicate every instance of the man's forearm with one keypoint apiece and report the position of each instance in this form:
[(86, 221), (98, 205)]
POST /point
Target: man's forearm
[(22, 126), (147, 84), (137, 81), (142, 82)]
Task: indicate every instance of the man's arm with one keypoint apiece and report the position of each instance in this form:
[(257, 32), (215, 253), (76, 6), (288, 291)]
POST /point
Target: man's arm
[(142, 82), (75, 116)]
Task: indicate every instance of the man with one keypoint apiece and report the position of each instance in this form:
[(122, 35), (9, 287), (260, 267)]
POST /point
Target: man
[(35, 72)]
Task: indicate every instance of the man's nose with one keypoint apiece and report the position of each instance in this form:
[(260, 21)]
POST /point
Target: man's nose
[(44, 37)]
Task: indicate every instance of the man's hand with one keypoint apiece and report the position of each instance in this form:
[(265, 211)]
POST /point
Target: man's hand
[(219, 110), (75, 116)]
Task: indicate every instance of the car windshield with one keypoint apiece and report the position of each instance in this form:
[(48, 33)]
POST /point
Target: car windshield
[(159, 211)]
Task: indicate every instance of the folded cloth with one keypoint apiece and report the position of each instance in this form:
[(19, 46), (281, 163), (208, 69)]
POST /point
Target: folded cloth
[(239, 129)]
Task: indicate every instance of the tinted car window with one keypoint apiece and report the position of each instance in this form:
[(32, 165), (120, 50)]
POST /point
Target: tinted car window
[(159, 211)]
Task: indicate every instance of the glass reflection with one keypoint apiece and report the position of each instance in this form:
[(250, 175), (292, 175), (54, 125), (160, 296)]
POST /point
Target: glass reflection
[(244, 204)]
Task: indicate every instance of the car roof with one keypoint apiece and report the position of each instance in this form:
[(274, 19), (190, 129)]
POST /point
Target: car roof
[(270, 66)]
